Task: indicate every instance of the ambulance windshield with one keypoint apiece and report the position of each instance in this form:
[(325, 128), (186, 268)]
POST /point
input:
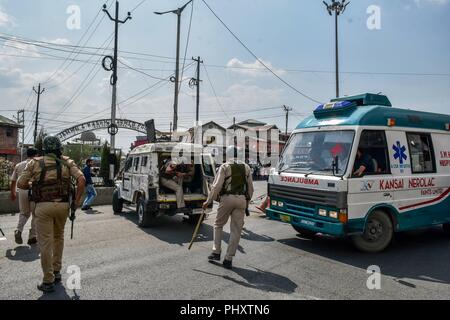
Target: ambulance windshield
[(321, 152)]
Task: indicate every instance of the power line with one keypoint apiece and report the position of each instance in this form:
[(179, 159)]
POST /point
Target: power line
[(259, 60), (215, 94), (141, 72)]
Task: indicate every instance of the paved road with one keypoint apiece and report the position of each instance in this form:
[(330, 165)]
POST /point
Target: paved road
[(118, 260)]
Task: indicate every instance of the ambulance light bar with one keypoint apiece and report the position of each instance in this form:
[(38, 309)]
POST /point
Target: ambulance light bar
[(334, 107)]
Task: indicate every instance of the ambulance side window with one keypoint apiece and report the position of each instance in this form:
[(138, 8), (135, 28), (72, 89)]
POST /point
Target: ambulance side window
[(421, 152), (373, 153), (136, 164)]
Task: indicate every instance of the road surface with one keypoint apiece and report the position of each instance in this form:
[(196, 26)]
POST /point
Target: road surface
[(119, 260)]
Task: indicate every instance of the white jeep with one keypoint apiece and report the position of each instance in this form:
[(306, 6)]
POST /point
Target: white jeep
[(139, 182)]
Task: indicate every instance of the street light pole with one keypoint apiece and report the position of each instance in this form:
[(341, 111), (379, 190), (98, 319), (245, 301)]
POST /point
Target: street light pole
[(113, 67), (338, 7), (178, 12)]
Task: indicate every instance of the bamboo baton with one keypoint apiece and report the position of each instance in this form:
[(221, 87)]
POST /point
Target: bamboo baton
[(200, 220)]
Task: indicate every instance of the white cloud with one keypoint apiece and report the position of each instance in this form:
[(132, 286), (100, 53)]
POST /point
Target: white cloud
[(62, 41), (253, 69), (5, 19)]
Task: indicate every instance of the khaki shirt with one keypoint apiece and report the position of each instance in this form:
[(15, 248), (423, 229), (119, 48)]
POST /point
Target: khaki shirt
[(225, 172), (18, 169), (32, 171)]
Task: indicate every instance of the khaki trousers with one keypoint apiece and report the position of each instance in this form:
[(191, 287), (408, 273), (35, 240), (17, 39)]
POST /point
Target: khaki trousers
[(26, 209), (175, 184), (50, 221), (230, 206)]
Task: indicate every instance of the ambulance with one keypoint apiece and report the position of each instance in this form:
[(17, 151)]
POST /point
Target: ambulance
[(359, 167)]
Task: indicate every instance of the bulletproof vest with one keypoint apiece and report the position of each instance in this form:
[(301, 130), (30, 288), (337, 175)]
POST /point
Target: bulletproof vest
[(50, 189), (238, 183)]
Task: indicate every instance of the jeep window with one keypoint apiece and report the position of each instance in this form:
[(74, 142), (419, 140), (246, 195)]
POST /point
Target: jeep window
[(421, 152), (128, 164), (144, 161), (136, 163)]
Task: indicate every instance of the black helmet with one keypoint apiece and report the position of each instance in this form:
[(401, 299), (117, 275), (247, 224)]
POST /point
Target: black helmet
[(51, 143)]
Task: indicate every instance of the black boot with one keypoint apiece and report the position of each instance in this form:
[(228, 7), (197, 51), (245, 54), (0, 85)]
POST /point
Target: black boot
[(18, 237), (46, 287), (57, 276), (227, 264), (214, 256), (32, 241)]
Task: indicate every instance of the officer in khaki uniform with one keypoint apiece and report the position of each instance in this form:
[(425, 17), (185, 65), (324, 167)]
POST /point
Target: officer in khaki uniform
[(49, 177), (233, 187)]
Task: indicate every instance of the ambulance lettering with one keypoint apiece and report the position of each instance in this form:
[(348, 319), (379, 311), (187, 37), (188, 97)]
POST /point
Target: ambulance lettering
[(392, 184), (299, 180), (445, 159), (421, 182)]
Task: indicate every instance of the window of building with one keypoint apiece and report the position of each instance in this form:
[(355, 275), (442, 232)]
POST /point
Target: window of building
[(9, 132), (421, 152), (372, 153)]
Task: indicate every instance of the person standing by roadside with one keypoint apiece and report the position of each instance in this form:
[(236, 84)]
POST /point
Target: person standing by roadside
[(26, 207), (91, 193)]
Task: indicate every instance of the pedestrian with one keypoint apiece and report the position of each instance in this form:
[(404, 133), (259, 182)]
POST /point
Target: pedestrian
[(91, 193), (233, 188), (26, 207), (49, 176)]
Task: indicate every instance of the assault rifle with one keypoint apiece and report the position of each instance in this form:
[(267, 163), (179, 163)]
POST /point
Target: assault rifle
[(73, 207)]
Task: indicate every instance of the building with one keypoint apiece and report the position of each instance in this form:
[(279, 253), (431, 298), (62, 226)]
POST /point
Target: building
[(258, 139), (211, 135), (9, 133)]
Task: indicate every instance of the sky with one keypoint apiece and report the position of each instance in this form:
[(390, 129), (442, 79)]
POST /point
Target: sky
[(401, 49)]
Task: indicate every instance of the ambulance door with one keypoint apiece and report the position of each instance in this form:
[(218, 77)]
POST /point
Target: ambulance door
[(366, 190)]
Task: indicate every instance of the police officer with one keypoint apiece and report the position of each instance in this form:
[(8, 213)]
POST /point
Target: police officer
[(26, 207), (233, 187), (49, 176)]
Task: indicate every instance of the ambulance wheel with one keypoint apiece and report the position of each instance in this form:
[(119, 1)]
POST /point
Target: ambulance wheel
[(446, 228), (304, 232), (377, 235), (146, 218), (117, 202)]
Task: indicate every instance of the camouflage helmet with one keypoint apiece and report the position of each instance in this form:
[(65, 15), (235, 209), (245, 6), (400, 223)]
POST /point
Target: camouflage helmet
[(51, 143)]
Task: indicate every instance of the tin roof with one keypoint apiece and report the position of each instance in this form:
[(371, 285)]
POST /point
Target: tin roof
[(8, 122)]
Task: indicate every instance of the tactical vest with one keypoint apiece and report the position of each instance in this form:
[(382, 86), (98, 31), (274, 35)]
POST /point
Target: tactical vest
[(238, 183), (47, 190)]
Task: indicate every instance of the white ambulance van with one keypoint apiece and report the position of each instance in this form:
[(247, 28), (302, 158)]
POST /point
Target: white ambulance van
[(359, 167)]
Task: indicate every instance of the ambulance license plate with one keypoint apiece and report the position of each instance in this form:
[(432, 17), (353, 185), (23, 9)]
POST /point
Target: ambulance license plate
[(285, 218), (308, 223)]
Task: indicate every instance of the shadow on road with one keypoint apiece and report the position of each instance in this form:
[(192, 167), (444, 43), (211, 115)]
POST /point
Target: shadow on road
[(176, 230), (23, 253), (423, 255), (60, 293), (258, 279)]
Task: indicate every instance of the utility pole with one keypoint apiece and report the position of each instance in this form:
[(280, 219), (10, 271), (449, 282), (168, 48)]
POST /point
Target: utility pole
[(112, 66), (21, 121), (38, 92), (196, 82), (338, 8), (287, 110), (178, 12)]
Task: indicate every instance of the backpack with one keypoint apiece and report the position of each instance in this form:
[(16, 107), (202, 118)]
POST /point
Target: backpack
[(47, 190)]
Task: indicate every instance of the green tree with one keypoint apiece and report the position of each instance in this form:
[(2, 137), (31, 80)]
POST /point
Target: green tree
[(78, 152)]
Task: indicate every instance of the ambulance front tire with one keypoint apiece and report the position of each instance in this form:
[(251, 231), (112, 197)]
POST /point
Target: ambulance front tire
[(117, 202), (378, 233), (146, 218), (305, 233), (446, 228)]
